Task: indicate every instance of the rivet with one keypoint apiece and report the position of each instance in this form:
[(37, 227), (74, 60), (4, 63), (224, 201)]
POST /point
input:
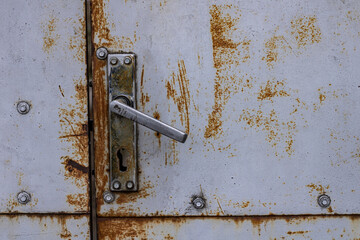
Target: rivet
[(116, 185), (108, 197), (324, 201), (130, 185), (127, 60), (198, 203), (113, 61), (23, 197), (23, 107), (101, 53)]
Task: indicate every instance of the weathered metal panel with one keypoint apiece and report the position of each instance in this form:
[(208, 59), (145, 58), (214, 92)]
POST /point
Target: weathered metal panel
[(267, 90), (42, 227), (44, 152), (299, 227)]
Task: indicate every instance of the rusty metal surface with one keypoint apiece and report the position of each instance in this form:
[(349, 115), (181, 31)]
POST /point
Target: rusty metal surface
[(198, 228), (121, 83), (44, 227), (267, 91), (44, 152)]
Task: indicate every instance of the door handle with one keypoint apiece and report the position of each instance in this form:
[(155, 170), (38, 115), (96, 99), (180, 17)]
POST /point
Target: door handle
[(121, 81), (121, 107)]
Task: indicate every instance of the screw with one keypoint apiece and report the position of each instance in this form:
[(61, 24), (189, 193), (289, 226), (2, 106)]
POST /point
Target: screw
[(130, 185), (113, 61), (108, 197), (127, 60), (116, 185), (23, 107), (101, 53), (324, 201), (198, 203), (23, 197)]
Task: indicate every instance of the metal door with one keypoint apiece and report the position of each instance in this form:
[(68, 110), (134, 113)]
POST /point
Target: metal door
[(44, 121), (268, 92)]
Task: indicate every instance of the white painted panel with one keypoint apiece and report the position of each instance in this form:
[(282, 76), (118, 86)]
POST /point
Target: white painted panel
[(44, 152), (22, 227), (216, 228), (267, 90)]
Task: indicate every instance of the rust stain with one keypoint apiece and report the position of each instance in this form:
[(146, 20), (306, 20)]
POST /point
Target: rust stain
[(318, 188), (164, 228), (50, 36), (102, 31), (101, 133), (131, 197), (61, 91), (278, 133), (172, 158), (305, 31), (322, 97), (157, 135), (227, 54), (296, 232), (245, 204), (180, 81), (77, 41), (330, 210), (273, 47), (272, 89), (144, 97), (80, 201)]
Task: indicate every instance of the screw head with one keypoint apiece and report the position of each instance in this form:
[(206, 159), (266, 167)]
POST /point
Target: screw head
[(23, 107), (23, 197), (127, 60), (198, 203), (324, 201), (116, 185), (101, 53), (108, 197), (113, 61), (130, 185)]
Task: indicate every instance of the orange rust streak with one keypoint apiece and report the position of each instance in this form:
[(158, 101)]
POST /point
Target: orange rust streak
[(61, 91), (182, 100), (226, 54), (158, 135)]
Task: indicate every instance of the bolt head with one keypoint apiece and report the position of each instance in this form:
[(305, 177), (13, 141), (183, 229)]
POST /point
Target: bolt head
[(130, 185), (101, 53), (108, 197), (23, 107), (113, 61), (116, 185), (127, 60), (23, 197), (198, 203), (324, 201)]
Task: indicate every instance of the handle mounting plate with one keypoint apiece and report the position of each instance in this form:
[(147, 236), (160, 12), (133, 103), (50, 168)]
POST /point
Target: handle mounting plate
[(122, 131)]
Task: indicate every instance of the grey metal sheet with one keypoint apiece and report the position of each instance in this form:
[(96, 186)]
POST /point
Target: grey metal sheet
[(268, 92), (44, 152)]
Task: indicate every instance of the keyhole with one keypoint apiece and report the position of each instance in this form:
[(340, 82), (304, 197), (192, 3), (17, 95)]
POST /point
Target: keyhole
[(121, 161)]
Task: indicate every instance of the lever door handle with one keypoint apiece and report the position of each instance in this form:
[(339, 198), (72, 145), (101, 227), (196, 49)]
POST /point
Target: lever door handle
[(121, 107)]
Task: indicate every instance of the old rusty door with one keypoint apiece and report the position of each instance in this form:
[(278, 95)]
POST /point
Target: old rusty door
[(44, 159), (268, 92)]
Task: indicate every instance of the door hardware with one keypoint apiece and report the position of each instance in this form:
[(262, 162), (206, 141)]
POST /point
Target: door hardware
[(123, 117)]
